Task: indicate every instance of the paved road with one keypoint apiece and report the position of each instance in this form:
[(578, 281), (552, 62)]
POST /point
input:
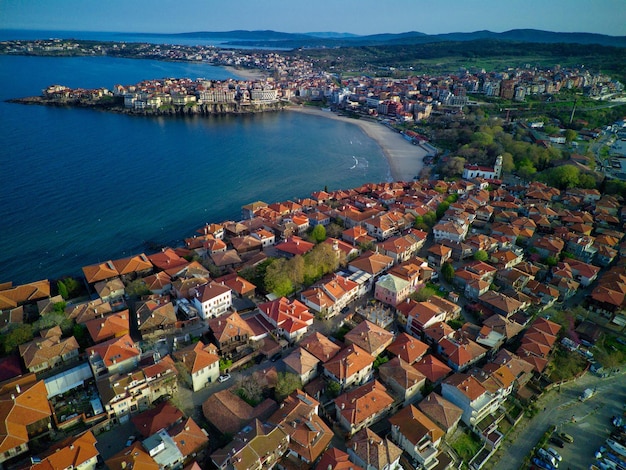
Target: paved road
[(588, 423)]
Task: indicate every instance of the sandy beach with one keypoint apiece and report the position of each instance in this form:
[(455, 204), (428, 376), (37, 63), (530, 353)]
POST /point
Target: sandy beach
[(405, 159), (246, 74)]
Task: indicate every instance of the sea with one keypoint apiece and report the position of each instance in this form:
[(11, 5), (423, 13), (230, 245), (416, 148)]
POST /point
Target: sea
[(80, 186)]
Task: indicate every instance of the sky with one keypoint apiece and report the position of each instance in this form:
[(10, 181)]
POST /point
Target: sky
[(299, 16)]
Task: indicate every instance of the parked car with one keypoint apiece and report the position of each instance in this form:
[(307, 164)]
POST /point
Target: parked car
[(554, 454), (162, 398), (557, 442), (566, 437), (542, 464), (547, 457), (130, 440), (276, 357), (223, 378)]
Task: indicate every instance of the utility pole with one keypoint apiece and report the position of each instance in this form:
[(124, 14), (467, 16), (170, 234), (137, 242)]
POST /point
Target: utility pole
[(571, 118)]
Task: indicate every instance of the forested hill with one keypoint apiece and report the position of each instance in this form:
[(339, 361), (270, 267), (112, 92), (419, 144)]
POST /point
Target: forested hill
[(315, 40)]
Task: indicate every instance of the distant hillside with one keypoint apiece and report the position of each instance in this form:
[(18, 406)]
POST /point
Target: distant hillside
[(331, 39)]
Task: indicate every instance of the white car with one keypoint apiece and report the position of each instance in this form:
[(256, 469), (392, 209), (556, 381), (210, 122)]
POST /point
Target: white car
[(223, 378), (554, 454)]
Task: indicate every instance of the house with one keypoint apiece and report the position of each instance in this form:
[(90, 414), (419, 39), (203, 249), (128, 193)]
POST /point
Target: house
[(109, 327), (351, 366), (399, 248), (422, 315), (407, 348), (240, 286), (500, 303), (370, 337), (309, 436), (190, 439), (549, 246), (330, 297), (460, 351), (405, 381), (133, 266), (336, 460), (229, 333), (294, 246), (48, 351), (372, 452), (78, 452), (320, 346), (167, 259), (303, 364), (116, 355), (162, 416), (85, 311), (131, 392), (431, 367), (357, 235), (201, 364), (450, 230), (466, 392), (135, 456), (100, 272), (110, 290), (230, 414), (437, 255), (416, 434), (444, 413), (24, 414), (290, 318), (392, 290), (155, 316), (211, 299), (371, 263), (255, 447), (362, 406)]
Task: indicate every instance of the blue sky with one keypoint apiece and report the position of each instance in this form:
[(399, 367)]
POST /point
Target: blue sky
[(354, 16)]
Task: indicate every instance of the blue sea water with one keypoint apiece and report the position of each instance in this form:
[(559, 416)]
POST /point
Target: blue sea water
[(79, 186)]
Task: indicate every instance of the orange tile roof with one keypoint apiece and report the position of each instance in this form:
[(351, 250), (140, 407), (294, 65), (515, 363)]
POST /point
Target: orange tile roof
[(11, 297), (348, 362), (467, 385), (71, 453), (111, 326), (132, 264), (336, 460), (196, 357), (432, 368), (363, 402), (189, 437), (375, 451), (320, 346), (115, 350), (100, 272), (134, 457), (415, 425), (370, 337), (408, 348), (228, 326), (163, 416), (440, 410)]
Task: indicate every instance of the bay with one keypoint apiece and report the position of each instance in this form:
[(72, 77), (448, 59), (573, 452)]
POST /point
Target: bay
[(79, 186)]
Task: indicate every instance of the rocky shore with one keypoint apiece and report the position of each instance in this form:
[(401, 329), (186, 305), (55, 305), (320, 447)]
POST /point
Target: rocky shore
[(116, 105)]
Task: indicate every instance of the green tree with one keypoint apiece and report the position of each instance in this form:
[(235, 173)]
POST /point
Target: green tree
[(562, 177), (63, 292), (286, 384), (80, 333), (318, 234), (447, 271), (441, 209), (570, 135), (333, 389), (551, 261), (277, 280), (137, 288), (18, 335), (430, 219), (423, 294), (481, 255), (508, 165)]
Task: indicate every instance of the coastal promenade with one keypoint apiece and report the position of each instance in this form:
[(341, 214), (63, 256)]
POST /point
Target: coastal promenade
[(405, 159)]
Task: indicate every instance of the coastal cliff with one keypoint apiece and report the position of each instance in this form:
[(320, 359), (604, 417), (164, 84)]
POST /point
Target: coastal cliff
[(116, 105)]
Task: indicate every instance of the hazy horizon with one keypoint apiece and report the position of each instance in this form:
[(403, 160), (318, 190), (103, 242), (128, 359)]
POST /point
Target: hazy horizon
[(360, 17)]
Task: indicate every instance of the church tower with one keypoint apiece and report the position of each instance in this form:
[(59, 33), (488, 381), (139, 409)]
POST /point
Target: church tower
[(497, 168)]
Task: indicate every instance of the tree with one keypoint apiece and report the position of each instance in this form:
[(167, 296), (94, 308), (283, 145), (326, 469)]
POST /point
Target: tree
[(333, 389), (453, 167), (137, 288), (447, 271), (18, 335), (481, 255), (570, 135), (508, 165), (63, 292), (250, 389), (277, 280), (318, 234), (423, 294), (441, 209), (286, 384)]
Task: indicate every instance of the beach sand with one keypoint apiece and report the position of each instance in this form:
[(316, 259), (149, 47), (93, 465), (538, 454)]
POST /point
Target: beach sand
[(405, 159), (246, 74)]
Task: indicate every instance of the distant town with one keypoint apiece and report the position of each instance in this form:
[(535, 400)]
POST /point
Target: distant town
[(471, 322)]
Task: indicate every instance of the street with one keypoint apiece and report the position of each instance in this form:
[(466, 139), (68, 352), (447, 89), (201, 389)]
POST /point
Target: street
[(588, 423)]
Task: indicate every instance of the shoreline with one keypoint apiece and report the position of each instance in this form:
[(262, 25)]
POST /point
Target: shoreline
[(405, 159), (245, 74)]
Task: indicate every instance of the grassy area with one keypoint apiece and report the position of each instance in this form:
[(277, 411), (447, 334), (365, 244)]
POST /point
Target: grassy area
[(565, 365), (467, 446)]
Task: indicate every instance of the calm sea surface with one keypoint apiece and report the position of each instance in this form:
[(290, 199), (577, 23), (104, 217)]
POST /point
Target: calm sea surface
[(79, 186)]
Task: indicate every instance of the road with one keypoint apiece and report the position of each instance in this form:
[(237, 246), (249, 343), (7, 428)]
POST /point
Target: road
[(588, 423)]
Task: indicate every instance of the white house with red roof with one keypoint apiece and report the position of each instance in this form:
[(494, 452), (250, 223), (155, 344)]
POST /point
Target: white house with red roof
[(116, 355), (489, 173), (211, 299), (290, 318)]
